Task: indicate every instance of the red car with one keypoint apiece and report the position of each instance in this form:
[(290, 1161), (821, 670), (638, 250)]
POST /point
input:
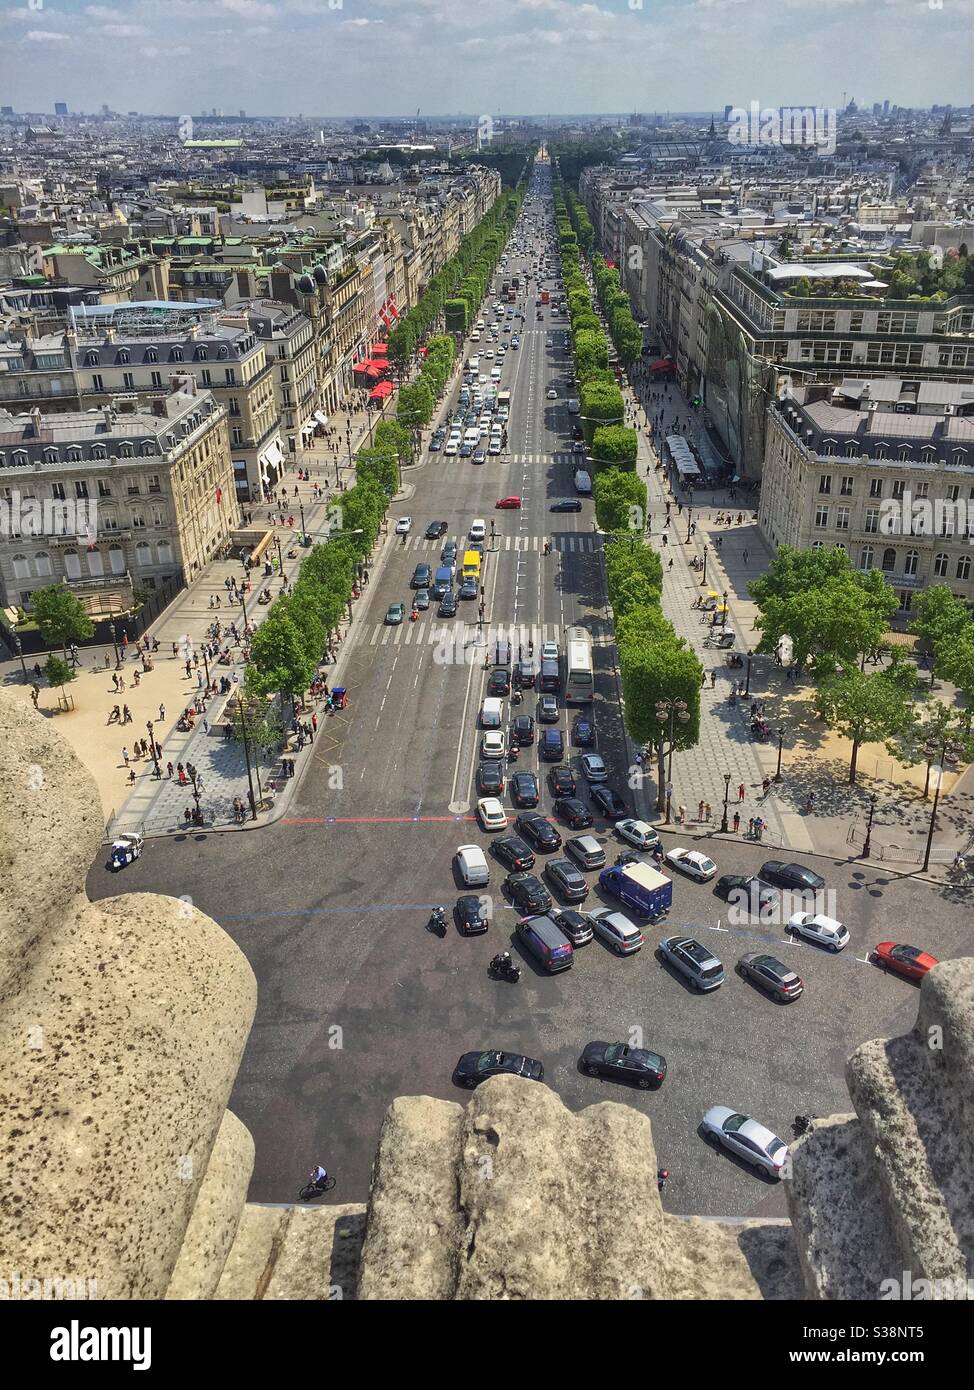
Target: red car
[(509, 503), (908, 961)]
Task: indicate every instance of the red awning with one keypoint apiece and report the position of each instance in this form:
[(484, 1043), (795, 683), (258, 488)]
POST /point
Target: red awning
[(423, 351), (662, 364), (384, 388), (380, 350)]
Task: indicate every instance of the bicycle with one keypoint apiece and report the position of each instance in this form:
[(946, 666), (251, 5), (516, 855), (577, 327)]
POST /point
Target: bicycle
[(316, 1189)]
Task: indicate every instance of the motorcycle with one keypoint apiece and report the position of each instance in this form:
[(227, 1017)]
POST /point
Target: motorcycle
[(437, 922), (503, 968), (800, 1125), (512, 754), (516, 697)]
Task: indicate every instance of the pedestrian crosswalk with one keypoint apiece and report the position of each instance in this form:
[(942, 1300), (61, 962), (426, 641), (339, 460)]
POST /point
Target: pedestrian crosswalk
[(473, 640), (568, 542)]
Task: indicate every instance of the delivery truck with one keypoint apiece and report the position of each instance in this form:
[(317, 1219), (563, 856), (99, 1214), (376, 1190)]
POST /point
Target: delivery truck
[(639, 887)]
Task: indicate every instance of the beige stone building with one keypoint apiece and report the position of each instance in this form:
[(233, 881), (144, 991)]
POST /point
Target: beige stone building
[(137, 493)]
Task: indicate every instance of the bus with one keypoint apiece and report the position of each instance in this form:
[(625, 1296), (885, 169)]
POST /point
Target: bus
[(579, 678)]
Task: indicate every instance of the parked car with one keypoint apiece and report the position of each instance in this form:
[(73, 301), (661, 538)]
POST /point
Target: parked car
[(637, 833), (777, 979), (513, 852), (491, 813), (524, 789), (472, 866), (586, 852), (474, 1067), (616, 930), (527, 892), (691, 862), (819, 930), (573, 812), (609, 803), (574, 925), (693, 961), (540, 938), (792, 876), (908, 961), (538, 830), (741, 1135), (619, 1062), (746, 890), (472, 915), (566, 880)]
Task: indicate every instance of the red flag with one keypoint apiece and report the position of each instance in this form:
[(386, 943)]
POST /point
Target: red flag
[(219, 496)]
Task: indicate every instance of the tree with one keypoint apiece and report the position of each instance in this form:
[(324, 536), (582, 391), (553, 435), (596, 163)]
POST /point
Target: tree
[(868, 709), (656, 665), (614, 446), (280, 661), (620, 500), (940, 620), (60, 616), (58, 671)]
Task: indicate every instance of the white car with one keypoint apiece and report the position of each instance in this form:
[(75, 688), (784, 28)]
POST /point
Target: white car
[(746, 1138), (491, 813), (489, 353), (404, 525), (492, 745), (549, 651), (478, 529), (691, 862), (819, 929), (552, 394), (637, 833), (495, 446), (452, 446), (472, 866), (616, 930)]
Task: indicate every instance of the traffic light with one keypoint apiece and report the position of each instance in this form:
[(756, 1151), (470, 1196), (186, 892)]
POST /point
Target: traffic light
[(696, 402)]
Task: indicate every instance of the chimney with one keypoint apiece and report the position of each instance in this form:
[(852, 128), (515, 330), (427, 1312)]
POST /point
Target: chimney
[(108, 415), (36, 420)]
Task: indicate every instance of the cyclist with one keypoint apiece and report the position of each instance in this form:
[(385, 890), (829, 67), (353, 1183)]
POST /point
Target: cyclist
[(319, 1177)]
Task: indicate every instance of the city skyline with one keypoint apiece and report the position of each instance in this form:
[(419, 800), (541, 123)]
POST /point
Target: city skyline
[(195, 55)]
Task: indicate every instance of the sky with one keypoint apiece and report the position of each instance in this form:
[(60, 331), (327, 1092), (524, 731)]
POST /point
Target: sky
[(497, 57)]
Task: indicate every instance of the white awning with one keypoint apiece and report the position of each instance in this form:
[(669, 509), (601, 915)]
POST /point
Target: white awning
[(273, 455), (321, 419)]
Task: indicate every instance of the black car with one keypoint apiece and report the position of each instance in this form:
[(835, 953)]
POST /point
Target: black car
[(522, 730), (539, 831), (422, 576), (609, 803), (747, 890), (435, 530), (583, 733), (471, 915), (490, 779), (524, 789), (793, 876), (572, 924), (566, 880), (622, 1063), (468, 588), (513, 851), (474, 1067), (562, 782), (527, 892), (552, 748), (449, 553), (499, 681), (448, 605), (527, 672), (577, 432), (567, 504), (573, 812)]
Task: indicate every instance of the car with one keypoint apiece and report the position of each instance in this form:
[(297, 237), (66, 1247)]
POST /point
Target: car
[(395, 614), (404, 525), (527, 672), (491, 814), (691, 862), (499, 681), (515, 344), (490, 779), (561, 781), (575, 814), (507, 503), (777, 979), (448, 605), (452, 446), (551, 394), (478, 529), (608, 802), (747, 889), (908, 961), (475, 1067), (548, 712), (552, 746), (422, 576), (472, 915), (480, 455), (693, 960), (448, 554), (435, 530), (489, 353), (619, 1062), (539, 831), (637, 833), (527, 892), (472, 866), (819, 930), (593, 768), (466, 449), (793, 876), (493, 744), (469, 588), (436, 443), (421, 600), (567, 504), (522, 730), (746, 1138), (566, 880), (549, 651), (524, 789), (616, 930), (583, 733), (514, 852)]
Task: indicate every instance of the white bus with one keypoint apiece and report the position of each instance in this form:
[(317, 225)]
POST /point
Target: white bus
[(579, 678)]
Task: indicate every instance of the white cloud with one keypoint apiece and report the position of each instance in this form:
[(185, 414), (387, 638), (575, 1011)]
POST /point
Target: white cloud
[(249, 9), (46, 36), (361, 23), (123, 31)]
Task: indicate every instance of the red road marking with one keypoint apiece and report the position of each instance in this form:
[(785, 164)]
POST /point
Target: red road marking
[(375, 820)]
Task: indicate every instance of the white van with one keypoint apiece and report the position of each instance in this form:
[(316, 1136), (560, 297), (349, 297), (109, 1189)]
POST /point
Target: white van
[(475, 336), (583, 482), (495, 373), (478, 530), (491, 714)]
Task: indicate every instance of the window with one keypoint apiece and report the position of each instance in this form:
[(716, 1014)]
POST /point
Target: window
[(152, 356), (906, 600), (123, 357), (176, 355), (821, 516), (138, 521), (889, 560), (128, 381), (852, 449), (21, 566), (205, 374), (50, 455), (132, 487), (237, 435), (953, 493), (964, 567), (201, 354), (898, 488), (903, 453), (57, 492), (154, 484), (842, 518), (72, 564), (912, 562), (940, 566), (116, 559), (231, 376), (872, 520), (234, 405), (164, 551), (875, 487), (98, 451), (91, 359), (80, 488), (108, 521), (922, 490), (828, 447), (825, 483), (846, 486), (126, 450), (158, 516), (143, 554), (882, 451), (43, 562), (866, 558), (156, 378), (148, 448)]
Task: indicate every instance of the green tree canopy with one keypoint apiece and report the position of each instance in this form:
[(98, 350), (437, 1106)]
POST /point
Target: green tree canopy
[(60, 616), (868, 708), (614, 446)]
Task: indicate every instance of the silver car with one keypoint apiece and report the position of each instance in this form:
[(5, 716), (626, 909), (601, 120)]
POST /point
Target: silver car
[(692, 959), (744, 1137), (616, 930)]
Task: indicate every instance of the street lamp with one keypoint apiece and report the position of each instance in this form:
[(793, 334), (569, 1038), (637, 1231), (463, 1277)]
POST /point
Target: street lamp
[(114, 637), (723, 616), (946, 746), (195, 782), (19, 652), (304, 531), (747, 683), (280, 557), (781, 735), (669, 710), (706, 552), (869, 825), (689, 522), (723, 819), (152, 748)]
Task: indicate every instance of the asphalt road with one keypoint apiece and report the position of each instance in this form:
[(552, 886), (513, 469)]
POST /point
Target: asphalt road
[(358, 1003)]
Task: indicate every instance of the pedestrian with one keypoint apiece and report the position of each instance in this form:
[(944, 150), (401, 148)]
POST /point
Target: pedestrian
[(175, 650), (35, 691), (766, 783), (713, 679), (740, 792), (750, 829), (707, 812), (670, 565), (115, 683), (108, 661), (737, 821), (681, 815), (700, 810), (206, 727), (162, 711), (169, 768), (125, 756), (126, 715), (187, 816), (137, 680), (744, 555)]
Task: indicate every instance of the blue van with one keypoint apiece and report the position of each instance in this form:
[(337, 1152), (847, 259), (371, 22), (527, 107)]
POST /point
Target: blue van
[(638, 886), (442, 582), (550, 947)]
